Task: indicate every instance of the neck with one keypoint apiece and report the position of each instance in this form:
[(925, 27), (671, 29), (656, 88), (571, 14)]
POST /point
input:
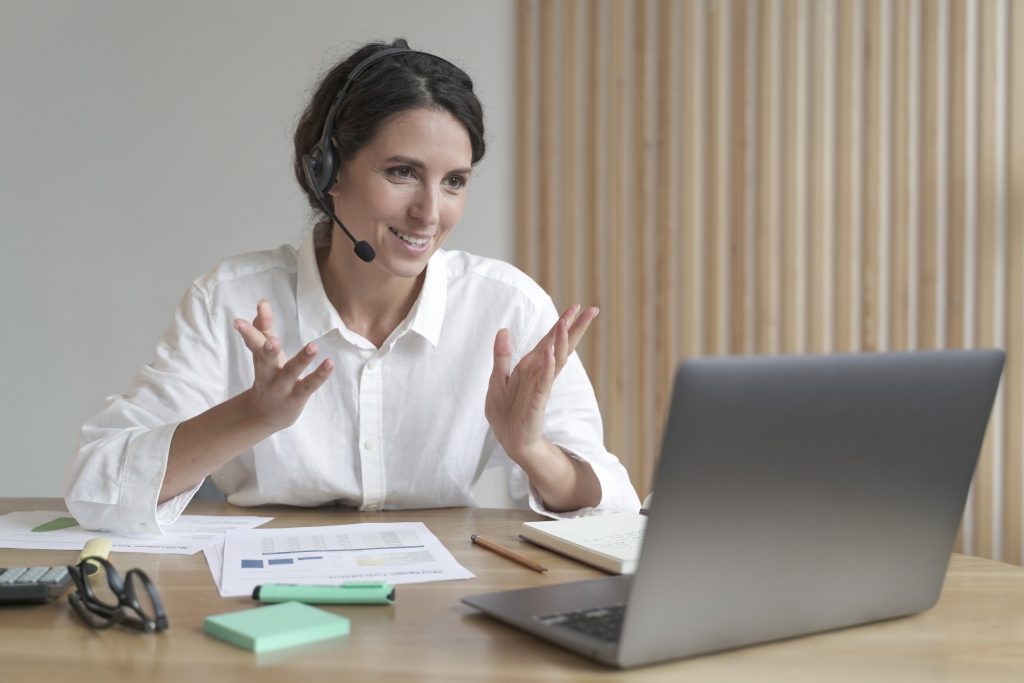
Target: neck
[(370, 301)]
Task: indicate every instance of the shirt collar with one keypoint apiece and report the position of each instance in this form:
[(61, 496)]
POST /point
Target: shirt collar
[(317, 316), (427, 314)]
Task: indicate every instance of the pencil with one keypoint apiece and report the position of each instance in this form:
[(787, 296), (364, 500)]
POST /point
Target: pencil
[(508, 554)]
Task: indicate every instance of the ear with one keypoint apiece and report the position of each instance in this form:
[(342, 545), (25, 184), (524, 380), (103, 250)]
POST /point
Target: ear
[(335, 186)]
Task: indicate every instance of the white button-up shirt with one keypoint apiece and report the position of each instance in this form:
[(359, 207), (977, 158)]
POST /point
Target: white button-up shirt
[(400, 426)]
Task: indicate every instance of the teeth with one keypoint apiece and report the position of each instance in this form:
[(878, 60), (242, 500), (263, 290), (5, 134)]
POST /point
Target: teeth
[(409, 239)]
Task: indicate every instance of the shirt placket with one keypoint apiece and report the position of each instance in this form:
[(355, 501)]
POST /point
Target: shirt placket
[(371, 428)]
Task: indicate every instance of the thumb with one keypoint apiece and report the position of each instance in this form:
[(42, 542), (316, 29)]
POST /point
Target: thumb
[(502, 356)]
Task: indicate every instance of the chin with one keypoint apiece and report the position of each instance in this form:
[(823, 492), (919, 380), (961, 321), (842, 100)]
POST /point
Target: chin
[(404, 268)]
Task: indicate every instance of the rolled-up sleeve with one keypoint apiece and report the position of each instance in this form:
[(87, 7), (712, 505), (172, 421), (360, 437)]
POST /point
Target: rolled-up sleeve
[(115, 477)]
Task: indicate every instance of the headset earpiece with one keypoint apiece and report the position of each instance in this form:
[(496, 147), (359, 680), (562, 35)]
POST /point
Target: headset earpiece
[(320, 168)]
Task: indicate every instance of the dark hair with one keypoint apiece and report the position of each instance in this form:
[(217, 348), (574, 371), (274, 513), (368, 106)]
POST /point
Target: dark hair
[(388, 87)]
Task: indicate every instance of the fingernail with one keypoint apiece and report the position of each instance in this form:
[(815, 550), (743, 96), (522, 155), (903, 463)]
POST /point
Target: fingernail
[(310, 349)]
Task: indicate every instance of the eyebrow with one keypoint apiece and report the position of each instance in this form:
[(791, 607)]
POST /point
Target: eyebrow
[(416, 163)]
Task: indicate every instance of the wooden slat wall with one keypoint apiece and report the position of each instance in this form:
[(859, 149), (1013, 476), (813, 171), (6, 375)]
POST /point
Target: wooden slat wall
[(780, 176)]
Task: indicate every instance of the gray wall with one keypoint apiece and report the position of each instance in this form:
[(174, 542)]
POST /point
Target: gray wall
[(142, 142)]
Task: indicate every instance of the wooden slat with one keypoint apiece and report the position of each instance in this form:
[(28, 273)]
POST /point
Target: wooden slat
[(793, 299), (848, 167), (723, 195), (956, 195), (929, 170), (693, 84), (666, 226), (595, 212), (913, 169), (898, 247), (548, 135), (712, 103), (886, 177), (986, 255), (938, 199), (956, 105), (1013, 376), (569, 264), (874, 126), (750, 182), (643, 342), (526, 103), (769, 153), (735, 260), (619, 176), (822, 184)]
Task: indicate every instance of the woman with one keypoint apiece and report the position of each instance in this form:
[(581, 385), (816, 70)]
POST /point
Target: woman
[(435, 365)]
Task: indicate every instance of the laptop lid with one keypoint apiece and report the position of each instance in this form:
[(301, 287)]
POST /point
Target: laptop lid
[(795, 494), (804, 493)]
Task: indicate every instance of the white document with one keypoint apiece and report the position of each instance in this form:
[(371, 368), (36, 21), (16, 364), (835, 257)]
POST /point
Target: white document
[(403, 552), (187, 536)]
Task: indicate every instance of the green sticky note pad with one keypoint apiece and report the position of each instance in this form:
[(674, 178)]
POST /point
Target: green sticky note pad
[(286, 624)]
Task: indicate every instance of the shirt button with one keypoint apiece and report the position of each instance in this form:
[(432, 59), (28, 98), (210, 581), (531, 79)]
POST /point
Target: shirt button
[(372, 365), (370, 444)]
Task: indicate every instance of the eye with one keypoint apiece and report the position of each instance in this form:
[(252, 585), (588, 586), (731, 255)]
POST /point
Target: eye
[(455, 182), (400, 172)]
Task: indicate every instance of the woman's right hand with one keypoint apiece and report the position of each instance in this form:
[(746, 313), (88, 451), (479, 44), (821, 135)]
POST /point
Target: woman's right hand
[(278, 396)]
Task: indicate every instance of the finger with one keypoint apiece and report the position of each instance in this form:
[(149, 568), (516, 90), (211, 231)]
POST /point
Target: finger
[(580, 325), (253, 338), (294, 367), (264, 368), (568, 315), (561, 345), (268, 360), (264, 320), (502, 357), (314, 380), (542, 389)]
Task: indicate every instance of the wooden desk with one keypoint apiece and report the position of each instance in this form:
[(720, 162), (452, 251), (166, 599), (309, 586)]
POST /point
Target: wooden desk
[(975, 633)]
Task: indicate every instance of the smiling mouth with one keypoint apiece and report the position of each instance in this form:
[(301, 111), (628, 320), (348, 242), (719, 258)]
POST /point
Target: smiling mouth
[(410, 239)]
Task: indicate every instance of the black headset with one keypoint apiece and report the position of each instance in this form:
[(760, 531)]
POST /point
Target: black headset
[(320, 165)]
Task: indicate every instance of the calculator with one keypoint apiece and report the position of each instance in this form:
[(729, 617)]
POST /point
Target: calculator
[(32, 584)]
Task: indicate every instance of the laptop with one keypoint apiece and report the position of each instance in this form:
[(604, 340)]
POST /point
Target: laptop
[(795, 494)]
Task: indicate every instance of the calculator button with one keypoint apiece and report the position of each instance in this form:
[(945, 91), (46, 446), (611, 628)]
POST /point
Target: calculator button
[(54, 575), (11, 575), (32, 575)]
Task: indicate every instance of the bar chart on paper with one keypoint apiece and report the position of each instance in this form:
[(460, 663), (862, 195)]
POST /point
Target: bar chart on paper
[(393, 552), (367, 549)]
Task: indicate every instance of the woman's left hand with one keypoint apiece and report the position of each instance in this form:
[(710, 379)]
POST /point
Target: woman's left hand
[(517, 397)]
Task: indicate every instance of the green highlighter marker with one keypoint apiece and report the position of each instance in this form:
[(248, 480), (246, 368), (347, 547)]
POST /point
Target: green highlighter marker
[(56, 524), (348, 593)]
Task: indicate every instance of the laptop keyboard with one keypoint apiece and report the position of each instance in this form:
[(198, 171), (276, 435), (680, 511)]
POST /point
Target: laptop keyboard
[(603, 623)]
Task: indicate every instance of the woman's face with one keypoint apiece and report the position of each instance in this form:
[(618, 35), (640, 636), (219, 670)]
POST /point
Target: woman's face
[(404, 191)]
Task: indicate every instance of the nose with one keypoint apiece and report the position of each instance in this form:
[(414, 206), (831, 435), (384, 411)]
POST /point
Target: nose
[(426, 206)]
